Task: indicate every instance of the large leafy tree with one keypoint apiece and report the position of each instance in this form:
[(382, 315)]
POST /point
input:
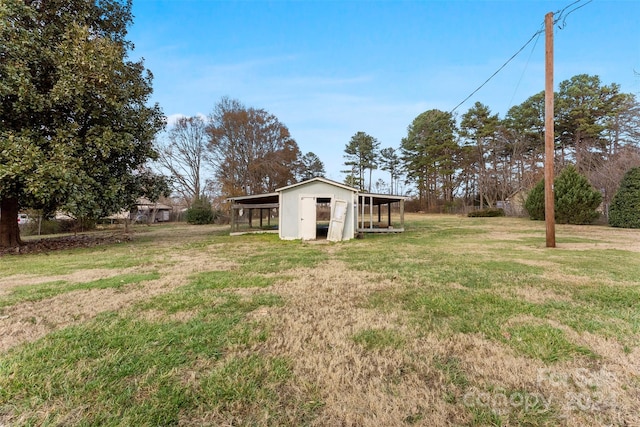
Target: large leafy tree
[(361, 153), (74, 124), (252, 152)]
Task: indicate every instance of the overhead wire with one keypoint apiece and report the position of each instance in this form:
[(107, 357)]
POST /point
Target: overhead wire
[(496, 72), (559, 15), (560, 12), (533, 48), (564, 18)]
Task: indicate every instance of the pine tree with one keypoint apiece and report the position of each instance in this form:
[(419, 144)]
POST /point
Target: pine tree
[(535, 202), (574, 198), (625, 207)]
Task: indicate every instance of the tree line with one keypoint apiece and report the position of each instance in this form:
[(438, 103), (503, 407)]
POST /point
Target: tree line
[(77, 132), (479, 159), (234, 151)]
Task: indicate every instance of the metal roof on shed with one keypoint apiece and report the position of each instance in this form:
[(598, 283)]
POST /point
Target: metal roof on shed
[(269, 198)]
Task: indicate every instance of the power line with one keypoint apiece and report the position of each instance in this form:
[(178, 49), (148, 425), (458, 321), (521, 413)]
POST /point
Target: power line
[(559, 16), (497, 71), (564, 18), (560, 12), (533, 48)]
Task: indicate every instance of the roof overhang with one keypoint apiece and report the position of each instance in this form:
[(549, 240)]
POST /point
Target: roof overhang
[(318, 179), (271, 200), (379, 199), (268, 200)]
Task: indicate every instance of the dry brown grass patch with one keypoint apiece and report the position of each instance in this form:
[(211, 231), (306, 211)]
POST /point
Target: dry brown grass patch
[(80, 276), (315, 329), (426, 378), (29, 321), (537, 295)]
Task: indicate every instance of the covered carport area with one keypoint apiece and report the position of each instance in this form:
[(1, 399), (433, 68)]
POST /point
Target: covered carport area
[(376, 213), (296, 211), (254, 214)]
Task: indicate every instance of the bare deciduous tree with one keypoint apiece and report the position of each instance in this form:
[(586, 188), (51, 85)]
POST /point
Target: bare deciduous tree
[(252, 152), (183, 154)]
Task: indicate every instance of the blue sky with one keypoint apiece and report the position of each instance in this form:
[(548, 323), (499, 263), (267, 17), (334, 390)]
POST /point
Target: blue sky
[(328, 69)]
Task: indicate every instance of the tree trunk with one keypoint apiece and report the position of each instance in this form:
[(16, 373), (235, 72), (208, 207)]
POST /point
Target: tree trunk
[(152, 215), (9, 230)]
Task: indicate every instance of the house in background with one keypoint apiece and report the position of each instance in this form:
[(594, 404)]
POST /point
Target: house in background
[(300, 209), (144, 211), (148, 211)]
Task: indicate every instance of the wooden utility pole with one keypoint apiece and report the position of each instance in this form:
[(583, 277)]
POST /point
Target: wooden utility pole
[(549, 152)]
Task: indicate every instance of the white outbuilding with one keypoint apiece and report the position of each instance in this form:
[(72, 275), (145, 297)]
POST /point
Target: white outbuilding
[(315, 208)]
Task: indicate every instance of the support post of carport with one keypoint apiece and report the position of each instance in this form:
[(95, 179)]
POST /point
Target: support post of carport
[(233, 217), (248, 204), (389, 214)]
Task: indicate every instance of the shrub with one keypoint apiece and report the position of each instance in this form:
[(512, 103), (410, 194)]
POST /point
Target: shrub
[(200, 212), (575, 199), (488, 212), (34, 227), (625, 206), (58, 226), (535, 202)]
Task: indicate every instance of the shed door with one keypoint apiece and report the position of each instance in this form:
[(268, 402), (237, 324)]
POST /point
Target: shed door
[(307, 220), (336, 226)]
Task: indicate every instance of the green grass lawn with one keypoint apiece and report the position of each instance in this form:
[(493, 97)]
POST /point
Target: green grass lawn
[(458, 321)]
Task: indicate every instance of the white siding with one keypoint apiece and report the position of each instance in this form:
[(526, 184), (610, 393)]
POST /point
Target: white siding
[(289, 205)]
